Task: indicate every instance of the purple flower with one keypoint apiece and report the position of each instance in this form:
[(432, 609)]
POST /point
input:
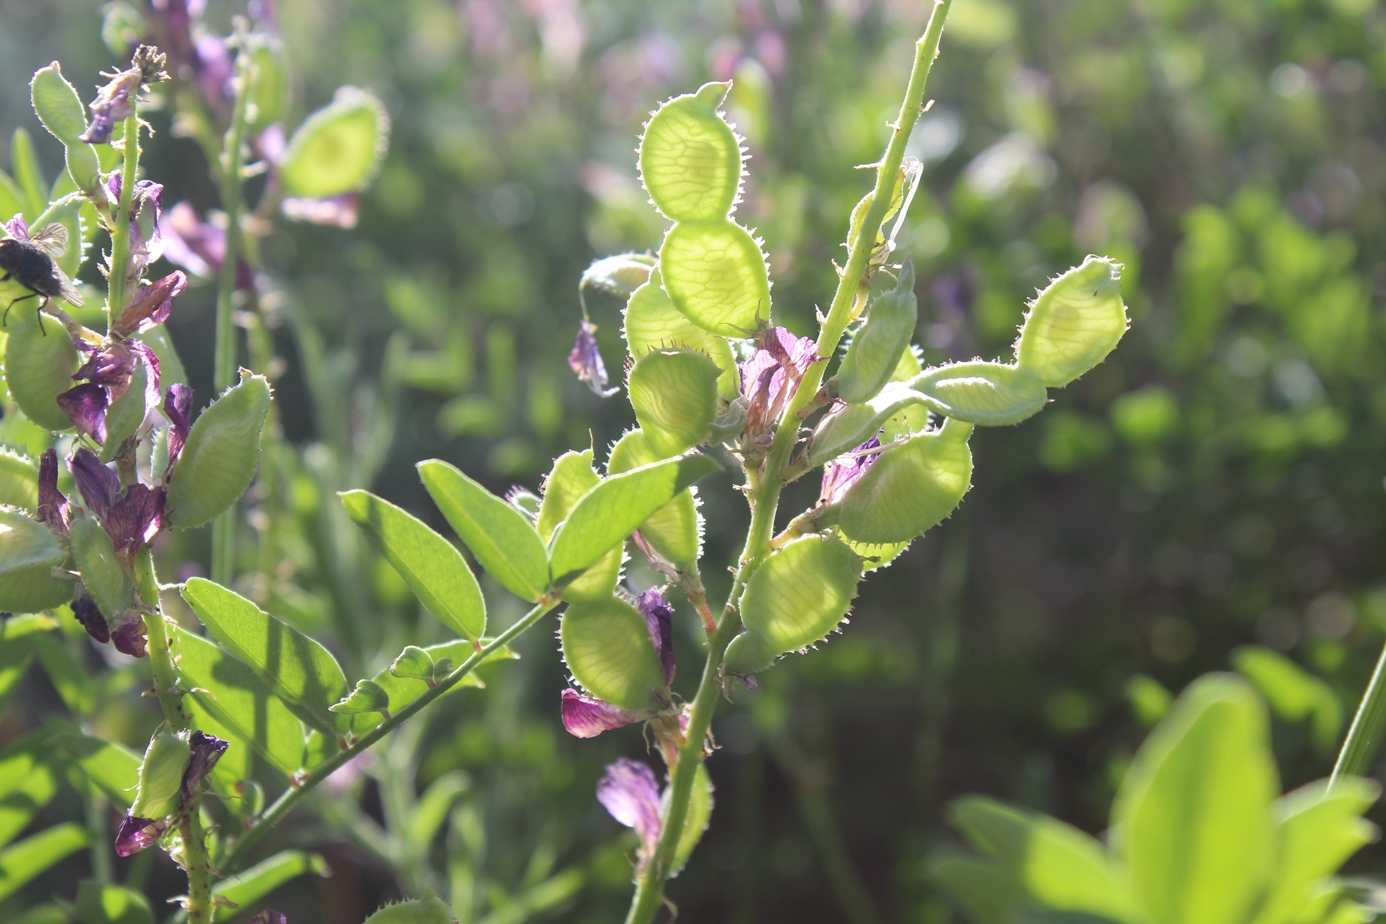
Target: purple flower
[(212, 64), (338, 211), (85, 406), (135, 519), (268, 916), (769, 377), (113, 101), (107, 374), (629, 792), (198, 246), (659, 619), (846, 470), (150, 305), (135, 834), (129, 636), (52, 503), (98, 484), (178, 410), (586, 361), (587, 717), (85, 609), (17, 228), (206, 751)]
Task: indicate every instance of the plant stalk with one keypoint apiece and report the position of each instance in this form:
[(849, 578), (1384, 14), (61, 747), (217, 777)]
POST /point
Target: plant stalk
[(120, 225), (236, 858), (1364, 737), (765, 486)]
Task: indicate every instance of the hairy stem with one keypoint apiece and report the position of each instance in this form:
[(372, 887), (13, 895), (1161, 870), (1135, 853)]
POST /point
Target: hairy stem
[(224, 528), (764, 487), (120, 224), (236, 859)]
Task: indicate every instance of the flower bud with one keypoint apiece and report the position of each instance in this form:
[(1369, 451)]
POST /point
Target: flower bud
[(607, 646), (690, 158), (674, 394), (368, 696), (987, 394), (221, 454), (1074, 323), (39, 362), (413, 663), (879, 343), (911, 488)]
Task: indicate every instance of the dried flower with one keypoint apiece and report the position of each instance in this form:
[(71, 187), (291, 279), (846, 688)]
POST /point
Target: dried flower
[(768, 378), (135, 834), (113, 103), (52, 503), (586, 360)]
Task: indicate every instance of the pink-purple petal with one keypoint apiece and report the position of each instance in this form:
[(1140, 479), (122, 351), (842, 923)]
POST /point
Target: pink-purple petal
[(587, 717), (586, 360), (52, 504), (846, 470), (136, 834), (630, 793), (150, 305), (206, 750), (98, 484), (659, 617), (178, 410)]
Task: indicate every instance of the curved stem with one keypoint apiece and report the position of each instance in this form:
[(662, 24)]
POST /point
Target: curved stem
[(1364, 737), (120, 225), (764, 487), (272, 815)]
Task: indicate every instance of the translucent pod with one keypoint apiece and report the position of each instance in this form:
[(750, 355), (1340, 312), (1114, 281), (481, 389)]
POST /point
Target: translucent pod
[(427, 910), (1074, 323), (715, 274), (849, 426), (608, 649), (801, 593), (39, 362), (749, 653), (29, 551), (18, 480), (676, 529), (60, 110), (910, 488), (338, 148), (910, 418), (674, 394), (653, 323), (573, 476), (987, 394), (126, 413), (620, 274), (221, 454), (875, 351), (161, 776), (95, 557), (690, 159)]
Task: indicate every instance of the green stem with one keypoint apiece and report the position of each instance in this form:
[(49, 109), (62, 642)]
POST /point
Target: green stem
[(764, 487), (120, 224), (1364, 737), (276, 812), (224, 528)]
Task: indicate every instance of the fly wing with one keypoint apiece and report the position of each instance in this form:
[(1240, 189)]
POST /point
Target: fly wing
[(66, 290), (52, 240)]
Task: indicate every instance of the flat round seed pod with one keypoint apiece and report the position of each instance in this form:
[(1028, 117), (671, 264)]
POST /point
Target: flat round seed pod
[(910, 488), (33, 590), (572, 476), (95, 557), (690, 159), (801, 593), (39, 362), (653, 323), (338, 148), (221, 455), (875, 351), (18, 480), (1074, 323), (427, 910), (674, 530), (749, 653), (875, 556), (29, 551), (674, 394), (715, 274), (987, 394), (846, 428), (607, 647)]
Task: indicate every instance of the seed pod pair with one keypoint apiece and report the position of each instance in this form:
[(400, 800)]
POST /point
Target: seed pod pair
[(875, 350)]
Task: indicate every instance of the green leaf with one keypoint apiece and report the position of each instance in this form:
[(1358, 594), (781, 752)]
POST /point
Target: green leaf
[(1060, 867), (1192, 819), (72, 679), (674, 530), (498, 535), (715, 274), (28, 174), (989, 894), (32, 856), (573, 476), (1319, 829), (246, 888), (690, 159), (1293, 693), (27, 783), (39, 367), (233, 693), (110, 904), (112, 768), (615, 508), (18, 480), (429, 564), (1074, 323), (339, 148), (12, 200), (427, 815), (299, 670), (986, 394), (608, 649)]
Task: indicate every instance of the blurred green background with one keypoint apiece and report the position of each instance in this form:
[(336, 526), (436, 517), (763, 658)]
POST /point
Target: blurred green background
[(1216, 484)]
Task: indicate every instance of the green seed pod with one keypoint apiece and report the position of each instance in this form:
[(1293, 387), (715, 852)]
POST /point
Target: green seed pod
[(910, 488), (368, 696), (911, 418), (875, 350), (715, 274), (1074, 323), (572, 477), (39, 362), (987, 394), (125, 414), (847, 428), (749, 653), (60, 110), (674, 530), (161, 776), (690, 159), (219, 459), (427, 910), (29, 551), (18, 480), (674, 394), (413, 663), (653, 323), (620, 274), (801, 593), (338, 148), (608, 649), (95, 557), (876, 555)]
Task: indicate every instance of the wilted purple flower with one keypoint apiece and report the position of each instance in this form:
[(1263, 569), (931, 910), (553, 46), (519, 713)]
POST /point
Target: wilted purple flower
[(85, 406), (135, 519), (198, 246), (659, 619), (52, 504), (130, 637), (135, 834), (338, 211), (629, 792), (150, 305), (17, 228), (112, 104), (212, 64), (844, 471), (206, 750), (178, 410), (268, 916), (586, 360), (107, 376), (98, 484), (768, 378), (87, 613), (587, 717)]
